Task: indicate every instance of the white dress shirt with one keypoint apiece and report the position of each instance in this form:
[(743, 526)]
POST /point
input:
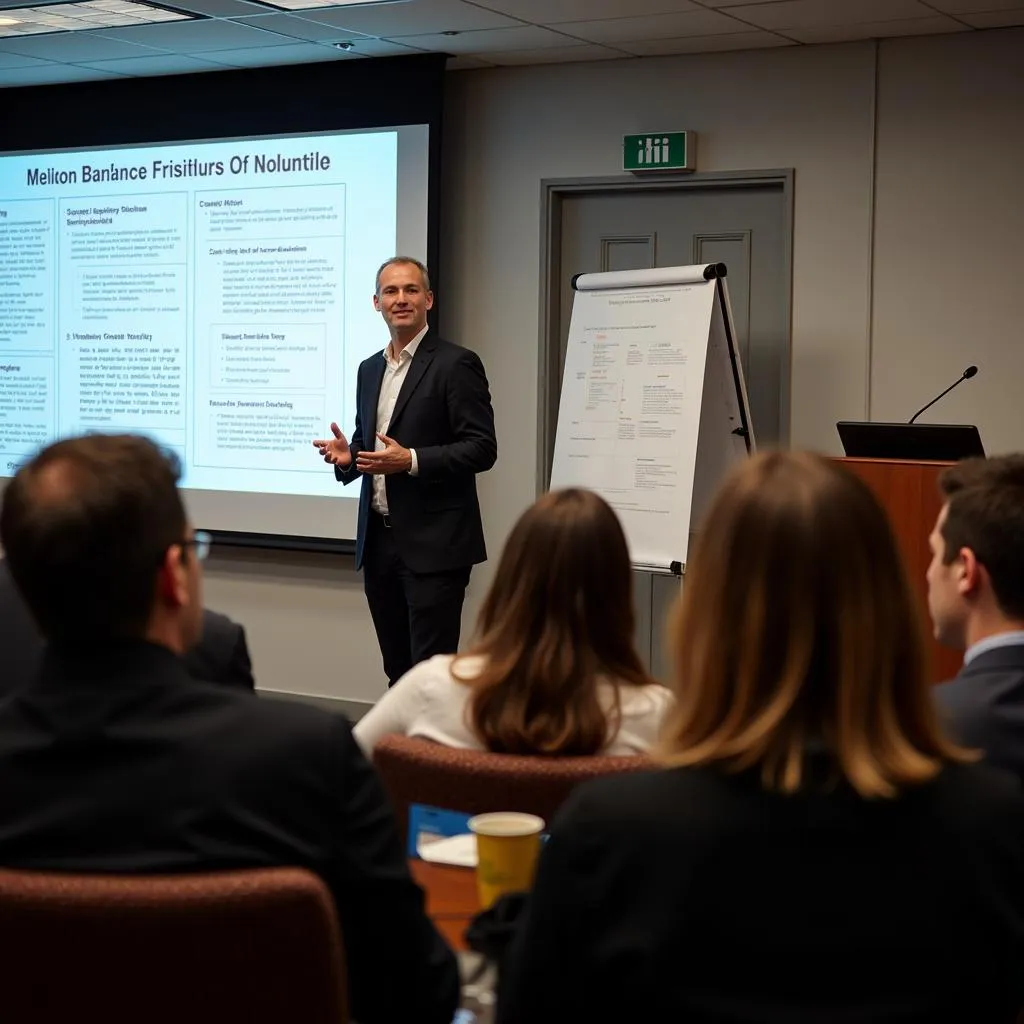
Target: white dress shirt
[(395, 372), (991, 643), (431, 703)]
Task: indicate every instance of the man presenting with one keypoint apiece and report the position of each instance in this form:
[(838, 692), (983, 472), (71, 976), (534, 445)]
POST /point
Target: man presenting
[(424, 429)]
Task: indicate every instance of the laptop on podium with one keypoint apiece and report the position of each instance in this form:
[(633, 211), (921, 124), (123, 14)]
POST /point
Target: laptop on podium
[(927, 442)]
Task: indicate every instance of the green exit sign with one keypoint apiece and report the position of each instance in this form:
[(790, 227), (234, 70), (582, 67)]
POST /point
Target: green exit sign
[(660, 151)]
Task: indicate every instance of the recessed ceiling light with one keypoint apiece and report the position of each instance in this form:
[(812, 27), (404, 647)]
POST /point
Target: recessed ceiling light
[(30, 21), (304, 5)]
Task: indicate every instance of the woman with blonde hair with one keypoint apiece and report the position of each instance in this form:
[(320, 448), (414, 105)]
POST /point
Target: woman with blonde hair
[(554, 670), (816, 849)]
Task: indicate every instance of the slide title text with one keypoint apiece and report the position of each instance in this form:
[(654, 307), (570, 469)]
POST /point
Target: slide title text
[(161, 170)]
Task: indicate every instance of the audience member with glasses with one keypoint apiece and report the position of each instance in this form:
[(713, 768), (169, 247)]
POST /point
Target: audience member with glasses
[(220, 654), (114, 759)]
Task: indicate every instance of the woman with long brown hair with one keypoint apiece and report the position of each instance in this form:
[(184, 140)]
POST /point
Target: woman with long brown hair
[(553, 670), (815, 848)]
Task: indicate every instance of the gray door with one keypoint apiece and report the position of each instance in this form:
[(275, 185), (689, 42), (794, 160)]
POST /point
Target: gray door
[(746, 226)]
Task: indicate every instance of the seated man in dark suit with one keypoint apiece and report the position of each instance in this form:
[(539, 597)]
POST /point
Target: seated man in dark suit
[(114, 759), (220, 656), (976, 601)]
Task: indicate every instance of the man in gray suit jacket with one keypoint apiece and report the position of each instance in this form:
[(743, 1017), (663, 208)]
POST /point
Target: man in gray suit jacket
[(976, 601)]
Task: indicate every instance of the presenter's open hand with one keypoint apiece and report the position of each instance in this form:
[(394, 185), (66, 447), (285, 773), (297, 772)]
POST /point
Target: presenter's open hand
[(392, 458), (335, 450)]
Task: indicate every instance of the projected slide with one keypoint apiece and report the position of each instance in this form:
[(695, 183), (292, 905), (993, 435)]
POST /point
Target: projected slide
[(213, 295)]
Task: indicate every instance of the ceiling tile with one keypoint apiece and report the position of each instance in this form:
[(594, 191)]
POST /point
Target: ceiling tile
[(196, 36), (821, 13), (158, 64), (298, 53), (557, 55), (876, 30), (296, 28), (528, 37), (972, 6), (366, 46), (551, 12), (17, 60), (301, 28), (706, 44), (419, 18), (654, 26), (74, 47), (466, 62), (51, 73), (217, 8), (994, 19)]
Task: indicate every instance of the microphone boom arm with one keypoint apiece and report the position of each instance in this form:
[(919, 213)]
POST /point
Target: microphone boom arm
[(934, 400), (966, 375)]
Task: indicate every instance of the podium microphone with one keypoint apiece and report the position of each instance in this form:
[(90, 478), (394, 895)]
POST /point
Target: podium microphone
[(966, 375)]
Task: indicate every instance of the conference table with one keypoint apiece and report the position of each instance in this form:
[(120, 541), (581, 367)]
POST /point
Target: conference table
[(452, 899)]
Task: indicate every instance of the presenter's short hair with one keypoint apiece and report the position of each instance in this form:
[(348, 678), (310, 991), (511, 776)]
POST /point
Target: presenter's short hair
[(799, 650), (985, 512), (85, 525), (395, 260)]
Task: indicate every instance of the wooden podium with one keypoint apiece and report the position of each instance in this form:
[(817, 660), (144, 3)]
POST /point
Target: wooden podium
[(909, 493)]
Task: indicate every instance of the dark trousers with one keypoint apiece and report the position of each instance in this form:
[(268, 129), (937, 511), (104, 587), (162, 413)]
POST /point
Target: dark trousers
[(416, 615)]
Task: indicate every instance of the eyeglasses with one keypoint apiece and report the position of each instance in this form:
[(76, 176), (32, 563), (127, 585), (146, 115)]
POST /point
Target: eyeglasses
[(201, 541)]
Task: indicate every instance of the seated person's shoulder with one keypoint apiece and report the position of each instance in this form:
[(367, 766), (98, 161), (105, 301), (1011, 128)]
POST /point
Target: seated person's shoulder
[(216, 625), (653, 697), (963, 712), (632, 800), (979, 791), (222, 653), (953, 693), (285, 723)]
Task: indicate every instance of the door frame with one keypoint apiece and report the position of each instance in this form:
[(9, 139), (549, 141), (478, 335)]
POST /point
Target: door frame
[(553, 192)]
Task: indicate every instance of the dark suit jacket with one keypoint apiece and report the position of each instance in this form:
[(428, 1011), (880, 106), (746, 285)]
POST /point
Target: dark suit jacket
[(444, 412), (21, 644), (984, 706), (127, 764), (690, 895), (221, 656)]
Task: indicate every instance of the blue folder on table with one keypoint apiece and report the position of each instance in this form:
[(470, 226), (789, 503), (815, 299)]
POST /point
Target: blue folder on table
[(433, 822)]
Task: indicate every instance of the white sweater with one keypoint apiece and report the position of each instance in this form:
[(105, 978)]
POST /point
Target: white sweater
[(428, 702)]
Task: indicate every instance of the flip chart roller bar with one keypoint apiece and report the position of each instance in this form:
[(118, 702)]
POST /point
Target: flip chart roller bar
[(654, 277), (672, 569)]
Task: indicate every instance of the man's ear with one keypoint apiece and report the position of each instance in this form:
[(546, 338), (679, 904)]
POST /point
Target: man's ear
[(376, 303), (172, 579), (430, 300), (971, 572)]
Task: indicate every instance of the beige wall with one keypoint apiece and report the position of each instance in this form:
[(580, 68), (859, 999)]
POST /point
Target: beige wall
[(949, 234), (945, 183), (508, 129)]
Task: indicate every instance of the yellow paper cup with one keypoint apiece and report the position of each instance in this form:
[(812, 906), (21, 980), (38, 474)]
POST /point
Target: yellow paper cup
[(507, 845)]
